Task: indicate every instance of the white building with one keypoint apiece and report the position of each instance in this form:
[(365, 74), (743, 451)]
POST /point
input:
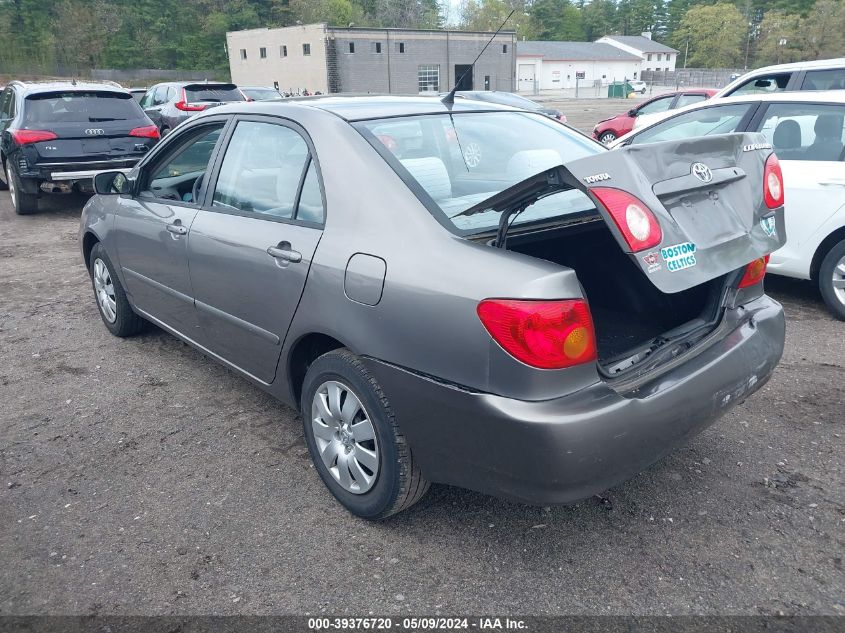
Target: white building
[(655, 56), (557, 65)]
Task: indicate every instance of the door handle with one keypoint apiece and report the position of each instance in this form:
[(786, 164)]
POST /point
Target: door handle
[(177, 228), (834, 181), (284, 253)]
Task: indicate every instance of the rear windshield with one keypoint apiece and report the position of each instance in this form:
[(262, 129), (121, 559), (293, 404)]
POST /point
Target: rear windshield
[(261, 94), (201, 93), (460, 160), (81, 107)]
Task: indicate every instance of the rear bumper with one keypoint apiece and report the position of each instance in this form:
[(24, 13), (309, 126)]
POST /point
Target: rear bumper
[(569, 448), (73, 171)]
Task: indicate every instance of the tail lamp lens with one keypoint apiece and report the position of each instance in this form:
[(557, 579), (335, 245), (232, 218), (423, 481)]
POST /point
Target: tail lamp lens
[(542, 334), (773, 183), (25, 137), (147, 131), (184, 106), (754, 272), (633, 218)]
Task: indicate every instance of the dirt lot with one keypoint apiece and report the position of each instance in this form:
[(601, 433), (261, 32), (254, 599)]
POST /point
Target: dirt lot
[(140, 477)]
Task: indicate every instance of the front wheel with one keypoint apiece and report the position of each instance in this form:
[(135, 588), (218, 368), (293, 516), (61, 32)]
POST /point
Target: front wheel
[(832, 280), (24, 203), (607, 137), (354, 441), (117, 314)]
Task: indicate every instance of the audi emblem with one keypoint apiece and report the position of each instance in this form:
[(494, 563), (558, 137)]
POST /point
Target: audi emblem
[(702, 172), (95, 132)]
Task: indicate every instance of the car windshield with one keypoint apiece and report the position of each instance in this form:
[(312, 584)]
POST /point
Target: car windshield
[(461, 159), (81, 107), (201, 93)]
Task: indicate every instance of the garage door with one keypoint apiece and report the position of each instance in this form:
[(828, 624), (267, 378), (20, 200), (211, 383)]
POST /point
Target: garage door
[(525, 74)]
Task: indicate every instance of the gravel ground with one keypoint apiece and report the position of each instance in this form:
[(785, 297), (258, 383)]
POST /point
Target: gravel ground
[(139, 477)]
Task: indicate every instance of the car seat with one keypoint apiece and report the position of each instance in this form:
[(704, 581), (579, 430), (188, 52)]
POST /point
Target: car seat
[(828, 144), (787, 139), (432, 175)]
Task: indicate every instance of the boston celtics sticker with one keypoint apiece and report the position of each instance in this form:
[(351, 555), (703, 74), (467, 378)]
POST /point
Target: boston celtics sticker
[(679, 256), (769, 226)]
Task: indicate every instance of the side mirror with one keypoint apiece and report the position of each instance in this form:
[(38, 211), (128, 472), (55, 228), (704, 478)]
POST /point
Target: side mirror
[(111, 183), (632, 112), (763, 83)]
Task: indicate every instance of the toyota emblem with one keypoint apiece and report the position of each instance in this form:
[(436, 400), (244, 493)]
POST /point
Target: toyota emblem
[(95, 132), (702, 172)]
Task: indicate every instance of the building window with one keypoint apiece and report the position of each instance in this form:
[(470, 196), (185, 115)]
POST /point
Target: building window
[(428, 78), (306, 49), (400, 46), (243, 53), (659, 56), (649, 57), (351, 47), (504, 49), (283, 51), (377, 47), (262, 53)]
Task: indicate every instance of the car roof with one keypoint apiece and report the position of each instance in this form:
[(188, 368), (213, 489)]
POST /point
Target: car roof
[(362, 108), (39, 87), (837, 62)]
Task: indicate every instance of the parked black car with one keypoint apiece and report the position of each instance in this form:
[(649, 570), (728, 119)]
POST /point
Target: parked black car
[(169, 104), (54, 136)]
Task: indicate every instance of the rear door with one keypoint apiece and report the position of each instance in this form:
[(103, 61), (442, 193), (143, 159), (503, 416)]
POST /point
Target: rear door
[(809, 139), (252, 244), (90, 126)]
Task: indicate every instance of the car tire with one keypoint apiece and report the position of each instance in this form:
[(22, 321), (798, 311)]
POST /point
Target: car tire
[(607, 137), (390, 483), (24, 203), (117, 314), (165, 131), (832, 280)]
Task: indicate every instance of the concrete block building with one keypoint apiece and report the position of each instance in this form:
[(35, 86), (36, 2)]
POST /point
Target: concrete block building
[(327, 59)]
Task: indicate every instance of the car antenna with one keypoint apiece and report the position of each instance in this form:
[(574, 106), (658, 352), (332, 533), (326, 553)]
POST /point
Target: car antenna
[(449, 99)]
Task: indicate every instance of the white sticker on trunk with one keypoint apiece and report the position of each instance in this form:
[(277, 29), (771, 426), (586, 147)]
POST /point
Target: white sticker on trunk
[(679, 256)]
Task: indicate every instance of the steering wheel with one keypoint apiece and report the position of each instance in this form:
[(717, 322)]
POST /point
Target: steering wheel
[(196, 188)]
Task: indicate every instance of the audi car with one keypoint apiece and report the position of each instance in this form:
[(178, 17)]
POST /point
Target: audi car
[(540, 329), (54, 136)]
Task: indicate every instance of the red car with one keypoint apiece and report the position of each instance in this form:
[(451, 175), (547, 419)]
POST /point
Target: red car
[(610, 129)]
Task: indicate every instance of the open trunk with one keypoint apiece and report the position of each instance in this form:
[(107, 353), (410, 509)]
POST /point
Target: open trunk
[(632, 317)]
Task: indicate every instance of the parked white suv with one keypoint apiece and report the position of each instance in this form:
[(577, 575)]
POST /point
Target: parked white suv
[(822, 74)]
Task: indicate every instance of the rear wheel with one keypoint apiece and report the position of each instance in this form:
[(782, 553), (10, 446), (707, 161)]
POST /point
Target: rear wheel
[(355, 444), (24, 203), (607, 137), (832, 280), (165, 131)]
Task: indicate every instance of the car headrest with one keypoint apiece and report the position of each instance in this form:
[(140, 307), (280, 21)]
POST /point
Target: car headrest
[(828, 126), (431, 173), (787, 135), (530, 162)]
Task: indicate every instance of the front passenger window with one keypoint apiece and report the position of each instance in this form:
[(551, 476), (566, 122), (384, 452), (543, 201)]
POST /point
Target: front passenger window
[(179, 175), (262, 170)]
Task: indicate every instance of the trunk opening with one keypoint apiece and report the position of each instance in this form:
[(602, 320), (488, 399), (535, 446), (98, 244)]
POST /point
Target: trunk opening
[(632, 318)]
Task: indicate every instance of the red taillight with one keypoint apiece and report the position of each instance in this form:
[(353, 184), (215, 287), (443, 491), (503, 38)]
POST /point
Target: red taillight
[(561, 118), (634, 219), (24, 137), (148, 131), (773, 183), (543, 334), (184, 106), (754, 272)]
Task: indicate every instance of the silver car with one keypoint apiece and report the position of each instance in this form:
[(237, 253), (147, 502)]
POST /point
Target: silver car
[(539, 327)]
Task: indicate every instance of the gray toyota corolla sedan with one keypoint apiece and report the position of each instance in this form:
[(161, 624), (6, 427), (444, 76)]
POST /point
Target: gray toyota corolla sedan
[(539, 326)]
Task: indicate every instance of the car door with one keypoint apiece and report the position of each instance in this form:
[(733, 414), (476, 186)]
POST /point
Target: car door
[(809, 139), (152, 228), (252, 244), (153, 102)]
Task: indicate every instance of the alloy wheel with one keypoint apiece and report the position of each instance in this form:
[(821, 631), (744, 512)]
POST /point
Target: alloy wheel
[(472, 154), (345, 437), (104, 288), (608, 137), (839, 280)]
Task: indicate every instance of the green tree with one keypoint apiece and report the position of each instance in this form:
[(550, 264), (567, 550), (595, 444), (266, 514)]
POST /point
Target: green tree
[(556, 20), (716, 36), (599, 19)]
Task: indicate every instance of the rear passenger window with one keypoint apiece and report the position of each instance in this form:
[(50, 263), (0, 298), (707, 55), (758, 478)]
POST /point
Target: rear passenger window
[(262, 170), (699, 122), (802, 131), (160, 95), (833, 79), (767, 84)]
